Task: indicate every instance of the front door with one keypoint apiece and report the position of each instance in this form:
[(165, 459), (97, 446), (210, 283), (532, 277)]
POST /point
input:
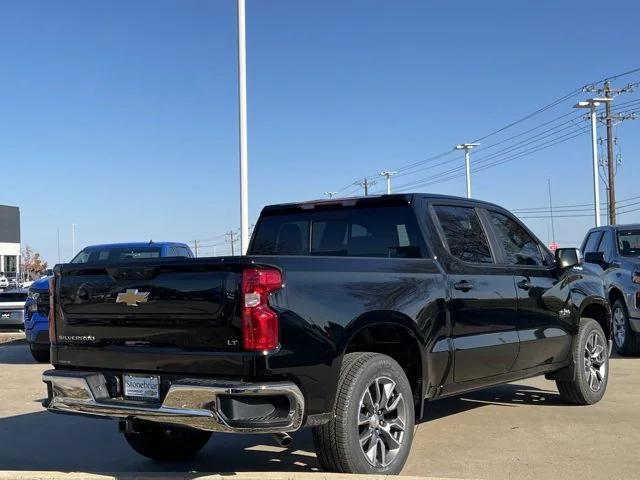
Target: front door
[(543, 316), (483, 302)]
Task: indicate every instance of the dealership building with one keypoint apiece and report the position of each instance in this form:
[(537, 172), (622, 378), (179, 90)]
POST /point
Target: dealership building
[(9, 240)]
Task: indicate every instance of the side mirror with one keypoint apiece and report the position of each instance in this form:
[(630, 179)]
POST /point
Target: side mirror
[(595, 257), (568, 257)]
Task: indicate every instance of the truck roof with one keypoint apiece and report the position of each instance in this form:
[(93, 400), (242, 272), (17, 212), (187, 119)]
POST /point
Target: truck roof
[(617, 226), (371, 200)]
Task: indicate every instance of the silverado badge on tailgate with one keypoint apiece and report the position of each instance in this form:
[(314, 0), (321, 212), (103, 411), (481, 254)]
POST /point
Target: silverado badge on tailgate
[(132, 297)]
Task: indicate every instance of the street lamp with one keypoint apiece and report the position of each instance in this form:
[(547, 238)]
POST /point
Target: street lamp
[(242, 117), (73, 239), (592, 104), (388, 174), (467, 163)]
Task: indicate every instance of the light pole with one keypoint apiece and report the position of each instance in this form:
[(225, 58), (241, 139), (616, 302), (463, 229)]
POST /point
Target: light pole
[(467, 162), (73, 239), (592, 104), (388, 174), (242, 105)]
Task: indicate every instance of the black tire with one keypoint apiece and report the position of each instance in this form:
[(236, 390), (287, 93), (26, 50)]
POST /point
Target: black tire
[(579, 390), (626, 341), (40, 355), (167, 444), (337, 443)]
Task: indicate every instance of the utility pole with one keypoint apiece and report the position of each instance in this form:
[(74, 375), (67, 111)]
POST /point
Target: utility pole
[(330, 194), (467, 162), (611, 173), (195, 248), (388, 174), (242, 106), (608, 118), (553, 227), (232, 241), (366, 183)]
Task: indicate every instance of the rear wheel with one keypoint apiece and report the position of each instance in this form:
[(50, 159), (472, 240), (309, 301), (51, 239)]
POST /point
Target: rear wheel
[(167, 444), (40, 355), (372, 428), (627, 341), (590, 365)]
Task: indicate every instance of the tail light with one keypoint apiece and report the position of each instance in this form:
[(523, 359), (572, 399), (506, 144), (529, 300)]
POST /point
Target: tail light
[(260, 324), (52, 308)]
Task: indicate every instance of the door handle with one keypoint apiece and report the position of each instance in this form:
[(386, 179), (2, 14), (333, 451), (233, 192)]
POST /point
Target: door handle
[(463, 286), (524, 284)]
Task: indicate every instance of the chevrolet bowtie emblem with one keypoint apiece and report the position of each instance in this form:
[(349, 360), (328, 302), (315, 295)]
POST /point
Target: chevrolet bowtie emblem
[(131, 297)]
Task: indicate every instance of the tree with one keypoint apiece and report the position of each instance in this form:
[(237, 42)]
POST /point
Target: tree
[(32, 263)]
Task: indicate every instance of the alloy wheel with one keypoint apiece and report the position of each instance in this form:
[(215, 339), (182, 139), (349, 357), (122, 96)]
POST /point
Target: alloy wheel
[(382, 418), (619, 327), (595, 361)]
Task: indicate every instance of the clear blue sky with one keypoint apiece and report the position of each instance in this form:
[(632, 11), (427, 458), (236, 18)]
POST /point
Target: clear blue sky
[(121, 116)]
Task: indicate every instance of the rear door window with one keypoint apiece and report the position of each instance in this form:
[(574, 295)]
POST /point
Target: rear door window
[(463, 233), (354, 232)]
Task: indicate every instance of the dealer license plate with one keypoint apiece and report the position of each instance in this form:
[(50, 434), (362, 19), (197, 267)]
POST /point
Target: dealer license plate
[(142, 387)]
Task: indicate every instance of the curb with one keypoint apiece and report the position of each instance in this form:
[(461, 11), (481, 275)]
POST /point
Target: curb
[(43, 475)]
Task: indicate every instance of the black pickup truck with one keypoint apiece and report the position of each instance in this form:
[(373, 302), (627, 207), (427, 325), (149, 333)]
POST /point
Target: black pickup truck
[(345, 316)]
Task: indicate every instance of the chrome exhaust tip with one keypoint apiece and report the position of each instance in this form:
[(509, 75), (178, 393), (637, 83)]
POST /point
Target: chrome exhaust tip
[(283, 439)]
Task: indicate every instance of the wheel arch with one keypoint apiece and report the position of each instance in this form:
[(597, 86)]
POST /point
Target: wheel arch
[(395, 335), (599, 310)]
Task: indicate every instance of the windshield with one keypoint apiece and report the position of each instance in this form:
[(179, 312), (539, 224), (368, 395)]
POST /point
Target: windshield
[(629, 242), (113, 255)]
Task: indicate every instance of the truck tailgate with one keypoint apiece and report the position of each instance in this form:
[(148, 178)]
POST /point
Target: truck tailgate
[(181, 303)]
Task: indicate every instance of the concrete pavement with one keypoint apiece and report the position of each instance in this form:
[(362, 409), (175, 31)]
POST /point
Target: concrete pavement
[(516, 431)]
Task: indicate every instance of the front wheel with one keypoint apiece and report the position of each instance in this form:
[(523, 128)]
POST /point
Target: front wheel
[(167, 444), (590, 364), (627, 341), (372, 428)]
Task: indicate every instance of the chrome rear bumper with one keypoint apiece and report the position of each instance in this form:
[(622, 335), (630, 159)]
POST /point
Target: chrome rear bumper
[(189, 402)]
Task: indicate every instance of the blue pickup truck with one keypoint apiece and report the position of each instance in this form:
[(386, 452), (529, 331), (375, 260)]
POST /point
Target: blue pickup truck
[(36, 315)]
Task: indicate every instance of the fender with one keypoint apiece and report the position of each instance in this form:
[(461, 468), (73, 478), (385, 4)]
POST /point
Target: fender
[(382, 318)]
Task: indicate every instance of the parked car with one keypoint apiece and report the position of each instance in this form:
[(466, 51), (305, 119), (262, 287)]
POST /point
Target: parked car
[(615, 251), (37, 306), (117, 252), (36, 320), (4, 281), (12, 308), (346, 316)]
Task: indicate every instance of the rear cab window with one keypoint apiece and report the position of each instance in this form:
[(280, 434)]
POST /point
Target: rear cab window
[(387, 231)]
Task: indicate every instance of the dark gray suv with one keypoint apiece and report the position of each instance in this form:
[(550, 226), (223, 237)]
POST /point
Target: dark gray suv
[(615, 250)]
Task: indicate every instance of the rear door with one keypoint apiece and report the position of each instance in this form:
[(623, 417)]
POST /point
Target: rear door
[(543, 321), (483, 302)]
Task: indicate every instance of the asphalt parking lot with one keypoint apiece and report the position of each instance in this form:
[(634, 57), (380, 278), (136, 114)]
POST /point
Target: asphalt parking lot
[(517, 431)]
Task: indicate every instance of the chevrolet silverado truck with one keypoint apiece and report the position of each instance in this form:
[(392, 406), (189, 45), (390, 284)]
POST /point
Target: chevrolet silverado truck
[(346, 316), (614, 250)]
